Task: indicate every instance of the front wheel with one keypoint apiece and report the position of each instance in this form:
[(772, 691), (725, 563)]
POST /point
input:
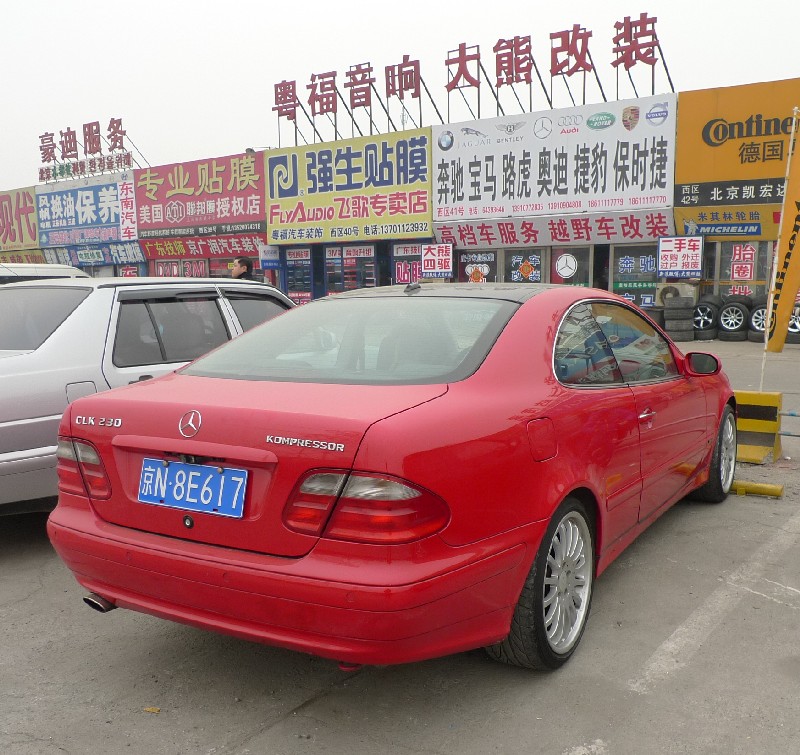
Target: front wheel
[(723, 462), (551, 613)]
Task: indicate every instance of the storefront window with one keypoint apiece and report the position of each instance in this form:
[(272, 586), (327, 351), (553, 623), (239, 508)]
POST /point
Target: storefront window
[(634, 273), (570, 265), (298, 275), (523, 266), (477, 267), (744, 267)]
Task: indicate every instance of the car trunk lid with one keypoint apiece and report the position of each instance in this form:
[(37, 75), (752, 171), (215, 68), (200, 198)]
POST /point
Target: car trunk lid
[(275, 431)]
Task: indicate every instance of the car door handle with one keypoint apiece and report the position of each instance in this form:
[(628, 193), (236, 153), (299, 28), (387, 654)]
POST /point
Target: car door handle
[(140, 378), (646, 415)]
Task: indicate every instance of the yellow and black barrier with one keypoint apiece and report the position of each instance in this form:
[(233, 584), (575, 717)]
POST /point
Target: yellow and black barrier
[(758, 426)]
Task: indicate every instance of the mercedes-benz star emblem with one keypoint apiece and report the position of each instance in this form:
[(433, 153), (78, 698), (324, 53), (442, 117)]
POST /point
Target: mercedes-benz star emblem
[(190, 423), (543, 127)]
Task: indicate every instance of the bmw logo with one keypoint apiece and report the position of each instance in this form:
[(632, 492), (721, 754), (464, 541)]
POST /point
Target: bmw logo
[(446, 140)]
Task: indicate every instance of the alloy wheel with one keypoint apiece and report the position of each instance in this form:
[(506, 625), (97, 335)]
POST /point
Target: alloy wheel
[(567, 582)]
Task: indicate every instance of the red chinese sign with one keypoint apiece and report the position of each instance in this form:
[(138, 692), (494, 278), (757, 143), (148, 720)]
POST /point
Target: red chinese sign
[(634, 41), (557, 230), (65, 156), (246, 245), (214, 197)]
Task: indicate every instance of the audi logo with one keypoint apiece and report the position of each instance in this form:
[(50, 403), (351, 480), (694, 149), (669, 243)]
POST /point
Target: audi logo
[(570, 120)]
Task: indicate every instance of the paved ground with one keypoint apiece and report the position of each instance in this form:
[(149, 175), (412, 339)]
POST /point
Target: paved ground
[(692, 647)]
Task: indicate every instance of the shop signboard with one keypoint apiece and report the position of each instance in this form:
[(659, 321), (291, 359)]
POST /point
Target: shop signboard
[(437, 260), (680, 257), (732, 147), (87, 211), (587, 159), (269, 257), (633, 226), (213, 197), (18, 229), (27, 256), (117, 253), (362, 189), (406, 263), (245, 245)]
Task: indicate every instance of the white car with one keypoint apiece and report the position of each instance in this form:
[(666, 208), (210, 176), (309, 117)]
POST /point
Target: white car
[(69, 337)]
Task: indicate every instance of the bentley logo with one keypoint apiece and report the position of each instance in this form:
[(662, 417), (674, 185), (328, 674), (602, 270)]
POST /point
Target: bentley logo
[(190, 423), (509, 128)]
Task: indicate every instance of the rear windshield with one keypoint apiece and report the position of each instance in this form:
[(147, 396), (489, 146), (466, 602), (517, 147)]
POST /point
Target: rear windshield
[(380, 340), (31, 315)]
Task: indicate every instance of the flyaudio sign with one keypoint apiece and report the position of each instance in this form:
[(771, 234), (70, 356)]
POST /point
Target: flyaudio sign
[(590, 159)]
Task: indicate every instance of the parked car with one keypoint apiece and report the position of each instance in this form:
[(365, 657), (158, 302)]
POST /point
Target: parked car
[(68, 337), (394, 474), (14, 272)]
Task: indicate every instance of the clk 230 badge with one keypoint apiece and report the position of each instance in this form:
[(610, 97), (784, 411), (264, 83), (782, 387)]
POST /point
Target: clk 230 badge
[(322, 445)]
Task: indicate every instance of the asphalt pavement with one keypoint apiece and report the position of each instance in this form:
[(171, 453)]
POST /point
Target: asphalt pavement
[(691, 647)]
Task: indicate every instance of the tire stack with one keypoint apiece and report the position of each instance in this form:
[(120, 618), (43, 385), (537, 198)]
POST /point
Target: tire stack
[(679, 317), (758, 320)]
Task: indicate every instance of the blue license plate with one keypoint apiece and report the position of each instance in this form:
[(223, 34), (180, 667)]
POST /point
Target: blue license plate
[(193, 487)]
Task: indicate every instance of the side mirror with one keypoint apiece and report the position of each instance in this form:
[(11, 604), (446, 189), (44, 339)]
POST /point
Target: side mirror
[(699, 363)]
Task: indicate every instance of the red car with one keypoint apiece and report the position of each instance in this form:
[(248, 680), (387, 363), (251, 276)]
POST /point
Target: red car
[(394, 474)]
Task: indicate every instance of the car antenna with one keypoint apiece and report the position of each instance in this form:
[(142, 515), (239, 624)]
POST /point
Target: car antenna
[(412, 288)]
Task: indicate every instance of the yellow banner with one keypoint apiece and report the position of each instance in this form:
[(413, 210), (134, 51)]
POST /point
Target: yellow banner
[(18, 220), (738, 133), (787, 275), (363, 189), (27, 256)]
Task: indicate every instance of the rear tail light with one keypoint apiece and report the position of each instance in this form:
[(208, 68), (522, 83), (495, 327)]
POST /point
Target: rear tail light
[(80, 469), (364, 508)]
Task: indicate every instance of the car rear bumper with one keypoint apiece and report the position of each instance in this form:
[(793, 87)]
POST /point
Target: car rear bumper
[(314, 609)]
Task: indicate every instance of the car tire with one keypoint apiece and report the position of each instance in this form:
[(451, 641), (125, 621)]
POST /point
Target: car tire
[(705, 316), (709, 334), (723, 462), (733, 316), (559, 586), (792, 337), (756, 336), (739, 299), (794, 320), (678, 313), (758, 318), (733, 335), (680, 335), (711, 299), (678, 302), (672, 326)]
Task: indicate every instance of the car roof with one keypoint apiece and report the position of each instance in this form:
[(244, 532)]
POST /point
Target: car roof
[(518, 292), (139, 281)]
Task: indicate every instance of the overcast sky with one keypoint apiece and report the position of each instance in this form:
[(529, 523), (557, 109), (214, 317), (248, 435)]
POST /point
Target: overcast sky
[(195, 79)]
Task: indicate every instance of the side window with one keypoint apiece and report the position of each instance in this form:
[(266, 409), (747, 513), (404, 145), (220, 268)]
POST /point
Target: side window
[(189, 327), (642, 353), (158, 331), (136, 342), (582, 353), (253, 309)]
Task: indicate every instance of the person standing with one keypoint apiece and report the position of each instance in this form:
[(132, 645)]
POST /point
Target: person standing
[(242, 269)]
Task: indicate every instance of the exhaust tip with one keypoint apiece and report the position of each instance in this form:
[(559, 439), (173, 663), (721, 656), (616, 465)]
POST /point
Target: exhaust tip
[(99, 603)]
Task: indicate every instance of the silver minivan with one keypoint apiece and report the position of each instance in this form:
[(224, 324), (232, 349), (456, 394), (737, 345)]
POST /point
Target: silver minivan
[(64, 338)]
